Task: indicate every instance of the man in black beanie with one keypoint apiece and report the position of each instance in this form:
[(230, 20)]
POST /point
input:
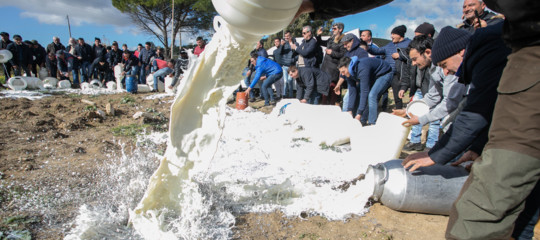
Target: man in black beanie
[(449, 49), (425, 29), (399, 66)]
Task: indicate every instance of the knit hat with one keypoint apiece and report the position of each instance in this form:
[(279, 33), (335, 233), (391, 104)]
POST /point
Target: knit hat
[(348, 37), (400, 30), (449, 42), (426, 29), (4, 34)]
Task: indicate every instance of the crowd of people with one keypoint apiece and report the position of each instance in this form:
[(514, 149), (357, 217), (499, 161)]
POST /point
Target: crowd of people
[(79, 62), (461, 75)]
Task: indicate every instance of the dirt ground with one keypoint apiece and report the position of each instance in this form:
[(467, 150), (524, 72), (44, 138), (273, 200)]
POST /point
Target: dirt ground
[(72, 138)]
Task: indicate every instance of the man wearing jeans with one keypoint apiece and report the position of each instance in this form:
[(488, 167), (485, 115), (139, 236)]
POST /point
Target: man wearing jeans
[(367, 79), (273, 72), (444, 94), (287, 59), (85, 54), (161, 73)]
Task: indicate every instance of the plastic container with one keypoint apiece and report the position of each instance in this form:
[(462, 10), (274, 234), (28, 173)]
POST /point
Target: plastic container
[(64, 84), (249, 20), (17, 83), (111, 85), (143, 88), (131, 84), (241, 100), (417, 108), (5, 56), (96, 83), (428, 190), (33, 83), (50, 80), (43, 73)]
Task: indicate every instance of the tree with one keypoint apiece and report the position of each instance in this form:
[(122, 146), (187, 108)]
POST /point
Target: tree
[(155, 16), (296, 28)]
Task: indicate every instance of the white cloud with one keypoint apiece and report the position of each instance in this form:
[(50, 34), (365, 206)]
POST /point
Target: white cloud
[(372, 27), (80, 11), (440, 13)]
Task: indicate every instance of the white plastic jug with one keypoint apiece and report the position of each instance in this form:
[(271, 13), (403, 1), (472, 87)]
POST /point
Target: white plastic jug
[(64, 84), (17, 83), (249, 20), (43, 73), (95, 84), (111, 85), (33, 83), (50, 80), (5, 56)]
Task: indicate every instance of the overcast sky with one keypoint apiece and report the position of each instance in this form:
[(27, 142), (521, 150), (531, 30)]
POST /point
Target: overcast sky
[(41, 20)]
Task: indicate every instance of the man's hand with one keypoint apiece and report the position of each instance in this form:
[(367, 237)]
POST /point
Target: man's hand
[(247, 91), (328, 51), (248, 73), (66, 74), (413, 120), (479, 23), (399, 112), (417, 160), (282, 42), (468, 156), (319, 31), (303, 101), (401, 93), (79, 58), (395, 55), (170, 87), (293, 46), (358, 117), (337, 90), (262, 78)]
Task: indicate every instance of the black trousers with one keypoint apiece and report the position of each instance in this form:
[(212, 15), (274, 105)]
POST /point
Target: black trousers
[(395, 90)]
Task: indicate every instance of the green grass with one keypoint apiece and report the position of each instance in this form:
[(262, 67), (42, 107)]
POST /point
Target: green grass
[(131, 130), (127, 100), (90, 108)]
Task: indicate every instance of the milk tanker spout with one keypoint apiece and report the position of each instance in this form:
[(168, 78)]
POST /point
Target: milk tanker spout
[(249, 20)]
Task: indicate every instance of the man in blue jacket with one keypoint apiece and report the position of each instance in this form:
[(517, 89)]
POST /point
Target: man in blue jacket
[(272, 72), (368, 78), (401, 69), (311, 84)]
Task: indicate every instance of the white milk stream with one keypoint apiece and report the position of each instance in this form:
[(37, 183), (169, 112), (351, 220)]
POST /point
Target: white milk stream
[(221, 162)]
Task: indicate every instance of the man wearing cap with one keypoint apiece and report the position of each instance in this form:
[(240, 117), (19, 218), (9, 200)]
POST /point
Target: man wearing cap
[(22, 56), (3, 45), (55, 46), (353, 48), (401, 70), (84, 53), (475, 15), (334, 52)]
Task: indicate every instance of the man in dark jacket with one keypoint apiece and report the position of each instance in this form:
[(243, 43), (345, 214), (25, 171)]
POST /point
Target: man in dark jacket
[(307, 50), (287, 59), (40, 55), (22, 56), (55, 46), (334, 52), (52, 65), (115, 55), (85, 54), (277, 58), (367, 79), (98, 52), (145, 55), (311, 84), (103, 70), (353, 46), (3, 45), (475, 15)]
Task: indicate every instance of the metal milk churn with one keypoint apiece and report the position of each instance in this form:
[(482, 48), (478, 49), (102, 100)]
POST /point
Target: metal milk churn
[(428, 190)]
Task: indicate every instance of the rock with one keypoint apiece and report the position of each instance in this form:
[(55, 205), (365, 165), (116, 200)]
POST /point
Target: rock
[(80, 150), (138, 115), (88, 102), (109, 109), (59, 135), (27, 167), (101, 113)]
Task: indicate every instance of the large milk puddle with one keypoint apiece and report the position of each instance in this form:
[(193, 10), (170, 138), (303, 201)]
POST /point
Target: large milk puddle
[(222, 162), (262, 163)]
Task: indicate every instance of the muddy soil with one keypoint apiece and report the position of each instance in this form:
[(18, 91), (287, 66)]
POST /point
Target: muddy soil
[(60, 142)]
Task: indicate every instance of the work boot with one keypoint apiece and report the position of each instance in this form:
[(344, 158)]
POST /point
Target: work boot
[(413, 147)]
